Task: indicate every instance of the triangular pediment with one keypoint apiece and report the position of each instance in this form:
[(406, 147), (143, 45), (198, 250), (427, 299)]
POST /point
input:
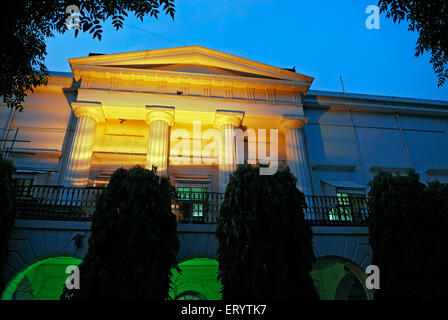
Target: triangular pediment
[(191, 60), (193, 68)]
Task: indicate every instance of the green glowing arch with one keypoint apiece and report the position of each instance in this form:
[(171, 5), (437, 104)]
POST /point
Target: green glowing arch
[(42, 280), (198, 280), (337, 278)]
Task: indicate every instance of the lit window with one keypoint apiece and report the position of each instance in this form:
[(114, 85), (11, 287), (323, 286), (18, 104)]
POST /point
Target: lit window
[(348, 208), (101, 185), (23, 186), (195, 199)]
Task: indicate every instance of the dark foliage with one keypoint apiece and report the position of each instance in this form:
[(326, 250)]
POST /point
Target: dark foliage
[(434, 241), (408, 236), (265, 246), (7, 211), (25, 25), (430, 19), (134, 243)]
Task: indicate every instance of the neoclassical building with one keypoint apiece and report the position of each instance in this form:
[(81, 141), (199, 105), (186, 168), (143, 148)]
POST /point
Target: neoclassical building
[(167, 108)]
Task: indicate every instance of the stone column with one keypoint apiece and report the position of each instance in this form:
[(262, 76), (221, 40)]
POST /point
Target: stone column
[(227, 122), (160, 119), (296, 156), (78, 165)]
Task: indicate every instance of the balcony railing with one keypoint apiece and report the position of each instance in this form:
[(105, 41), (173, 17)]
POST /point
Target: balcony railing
[(336, 210), (56, 202), (71, 203), (197, 207)]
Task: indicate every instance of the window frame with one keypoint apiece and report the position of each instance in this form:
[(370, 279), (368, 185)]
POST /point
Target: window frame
[(198, 211), (23, 190)]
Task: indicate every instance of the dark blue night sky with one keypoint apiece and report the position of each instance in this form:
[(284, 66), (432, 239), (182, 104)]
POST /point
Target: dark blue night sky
[(322, 39)]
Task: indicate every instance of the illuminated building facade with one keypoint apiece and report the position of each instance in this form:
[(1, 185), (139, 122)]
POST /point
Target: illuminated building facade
[(119, 110)]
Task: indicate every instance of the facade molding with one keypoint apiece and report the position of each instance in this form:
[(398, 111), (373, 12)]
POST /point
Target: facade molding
[(333, 166), (93, 110), (154, 113), (196, 97), (292, 122), (438, 172), (388, 105), (192, 55), (224, 117), (404, 170)]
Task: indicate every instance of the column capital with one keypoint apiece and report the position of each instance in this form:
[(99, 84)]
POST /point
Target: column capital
[(163, 113), (93, 110), (292, 122), (223, 117)]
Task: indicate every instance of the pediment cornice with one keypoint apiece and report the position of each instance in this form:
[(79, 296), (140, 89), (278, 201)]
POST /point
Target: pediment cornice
[(119, 66), (124, 74)]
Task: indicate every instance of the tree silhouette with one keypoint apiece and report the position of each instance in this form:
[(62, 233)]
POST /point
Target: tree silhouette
[(408, 226), (26, 24), (430, 19), (265, 246), (7, 211), (134, 243)]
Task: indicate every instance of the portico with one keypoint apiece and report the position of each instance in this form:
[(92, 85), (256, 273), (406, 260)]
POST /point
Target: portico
[(128, 104)]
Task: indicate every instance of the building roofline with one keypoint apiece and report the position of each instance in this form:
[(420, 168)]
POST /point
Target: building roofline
[(60, 74), (334, 94), (378, 98), (197, 54)]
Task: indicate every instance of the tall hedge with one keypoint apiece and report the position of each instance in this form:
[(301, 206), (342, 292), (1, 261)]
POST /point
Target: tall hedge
[(408, 236), (265, 246), (7, 211), (134, 243), (435, 241)]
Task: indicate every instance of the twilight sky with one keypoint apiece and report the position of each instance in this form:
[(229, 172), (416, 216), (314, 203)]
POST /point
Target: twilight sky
[(324, 39)]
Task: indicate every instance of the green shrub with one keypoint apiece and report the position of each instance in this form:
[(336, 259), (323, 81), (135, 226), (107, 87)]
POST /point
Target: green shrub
[(134, 243), (265, 246), (7, 211), (434, 240), (408, 236)]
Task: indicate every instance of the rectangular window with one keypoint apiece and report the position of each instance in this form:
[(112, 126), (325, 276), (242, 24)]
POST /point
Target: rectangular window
[(194, 200), (350, 207), (100, 185), (23, 186)]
